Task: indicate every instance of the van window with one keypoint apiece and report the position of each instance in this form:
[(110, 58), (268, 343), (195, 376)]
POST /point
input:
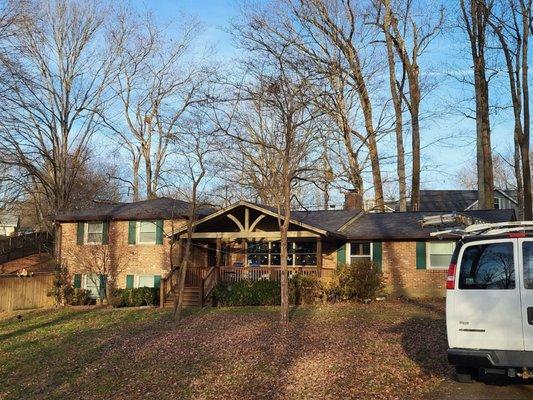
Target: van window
[(488, 266), (527, 254)]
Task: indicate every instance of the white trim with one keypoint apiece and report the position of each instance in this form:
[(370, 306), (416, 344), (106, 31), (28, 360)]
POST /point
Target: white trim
[(138, 232), (428, 254), (86, 233), (348, 255)]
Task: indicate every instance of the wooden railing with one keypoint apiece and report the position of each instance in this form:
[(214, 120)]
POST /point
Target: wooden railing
[(194, 277), (19, 246), (208, 284), (235, 274)]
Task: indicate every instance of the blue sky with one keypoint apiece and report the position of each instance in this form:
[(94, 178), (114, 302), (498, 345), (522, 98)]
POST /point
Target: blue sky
[(448, 138)]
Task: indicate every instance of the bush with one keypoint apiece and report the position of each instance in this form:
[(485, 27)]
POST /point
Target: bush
[(79, 297), (305, 289), (360, 280), (137, 297), (248, 293), (61, 287)]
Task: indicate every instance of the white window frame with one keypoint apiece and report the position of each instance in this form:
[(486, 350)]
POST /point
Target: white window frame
[(137, 280), (86, 233), (499, 201), (349, 251), (138, 233), (428, 254), (85, 279)]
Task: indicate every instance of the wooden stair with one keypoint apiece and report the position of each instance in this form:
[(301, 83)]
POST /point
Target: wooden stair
[(191, 298)]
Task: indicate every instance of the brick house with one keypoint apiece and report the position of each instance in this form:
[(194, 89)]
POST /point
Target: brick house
[(241, 241)]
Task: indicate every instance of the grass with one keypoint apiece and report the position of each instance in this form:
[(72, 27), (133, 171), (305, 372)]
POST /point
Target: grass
[(385, 350)]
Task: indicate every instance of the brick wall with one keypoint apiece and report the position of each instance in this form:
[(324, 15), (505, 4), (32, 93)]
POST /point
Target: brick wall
[(402, 277), (138, 259)]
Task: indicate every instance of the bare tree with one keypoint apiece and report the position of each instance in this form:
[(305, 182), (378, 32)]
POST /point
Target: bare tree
[(157, 84), (510, 21), (475, 15), (397, 22), (49, 103)]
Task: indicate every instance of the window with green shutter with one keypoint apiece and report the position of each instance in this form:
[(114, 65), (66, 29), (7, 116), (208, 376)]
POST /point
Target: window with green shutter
[(77, 281), (80, 233), (105, 233), (377, 255), (159, 233), (129, 281), (341, 255), (420, 255), (132, 232)]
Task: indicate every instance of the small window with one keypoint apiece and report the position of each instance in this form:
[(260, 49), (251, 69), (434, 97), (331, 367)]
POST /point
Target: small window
[(147, 232), (95, 233), (440, 254), (527, 255), (92, 283), (360, 251), (488, 266), (497, 204), (146, 281)]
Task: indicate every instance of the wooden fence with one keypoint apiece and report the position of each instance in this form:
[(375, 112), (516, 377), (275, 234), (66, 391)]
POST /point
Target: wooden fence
[(24, 293), (15, 247)]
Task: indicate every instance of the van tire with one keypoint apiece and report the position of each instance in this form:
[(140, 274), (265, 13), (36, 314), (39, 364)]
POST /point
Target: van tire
[(464, 374)]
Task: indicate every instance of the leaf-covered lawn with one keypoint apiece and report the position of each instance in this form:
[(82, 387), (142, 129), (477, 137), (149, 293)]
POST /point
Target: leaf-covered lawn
[(385, 350)]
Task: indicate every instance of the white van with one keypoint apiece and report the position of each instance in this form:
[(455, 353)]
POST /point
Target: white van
[(489, 301)]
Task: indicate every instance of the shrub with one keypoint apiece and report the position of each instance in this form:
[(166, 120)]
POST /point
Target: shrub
[(248, 293), (305, 289), (359, 280), (61, 287), (137, 297), (79, 297)]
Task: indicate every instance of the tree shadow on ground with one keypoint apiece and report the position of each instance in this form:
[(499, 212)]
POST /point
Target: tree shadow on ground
[(424, 342)]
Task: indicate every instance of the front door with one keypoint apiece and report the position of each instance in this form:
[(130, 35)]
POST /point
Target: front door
[(526, 262), (487, 297)]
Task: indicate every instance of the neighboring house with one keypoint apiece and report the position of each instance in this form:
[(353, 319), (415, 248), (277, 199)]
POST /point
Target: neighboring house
[(462, 200), (131, 239), (9, 224), (242, 241)]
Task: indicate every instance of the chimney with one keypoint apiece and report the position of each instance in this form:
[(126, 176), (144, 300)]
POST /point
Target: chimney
[(353, 200)]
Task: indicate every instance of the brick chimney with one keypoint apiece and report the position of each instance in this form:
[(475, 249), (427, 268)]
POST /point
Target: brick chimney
[(353, 200)]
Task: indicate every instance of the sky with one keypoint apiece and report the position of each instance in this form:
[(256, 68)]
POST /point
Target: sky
[(448, 138)]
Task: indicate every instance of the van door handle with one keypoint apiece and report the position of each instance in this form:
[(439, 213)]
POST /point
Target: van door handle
[(530, 315)]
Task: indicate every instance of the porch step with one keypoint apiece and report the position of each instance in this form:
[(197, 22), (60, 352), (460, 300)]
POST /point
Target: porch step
[(191, 298)]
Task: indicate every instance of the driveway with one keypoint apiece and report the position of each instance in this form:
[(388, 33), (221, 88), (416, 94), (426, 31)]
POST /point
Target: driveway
[(510, 390)]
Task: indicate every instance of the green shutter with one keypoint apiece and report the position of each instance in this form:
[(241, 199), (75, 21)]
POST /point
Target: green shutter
[(132, 232), (77, 281), (105, 234), (157, 281), (159, 231), (341, 255), (129, 281), (420, 255), (102, 288), (80, 233), (377, 255)]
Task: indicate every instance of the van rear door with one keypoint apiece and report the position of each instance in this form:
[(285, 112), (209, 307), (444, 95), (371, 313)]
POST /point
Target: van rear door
[(526, 263), (486, 299)]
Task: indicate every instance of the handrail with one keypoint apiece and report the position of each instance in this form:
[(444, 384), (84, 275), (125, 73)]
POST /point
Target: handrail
[(205, 292)]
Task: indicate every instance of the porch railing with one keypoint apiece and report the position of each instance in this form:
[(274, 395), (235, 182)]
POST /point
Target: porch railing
[(235, 274)]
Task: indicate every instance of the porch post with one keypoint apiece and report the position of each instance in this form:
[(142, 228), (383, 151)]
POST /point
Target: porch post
[(179, 252), (319, 256), (219, 257)]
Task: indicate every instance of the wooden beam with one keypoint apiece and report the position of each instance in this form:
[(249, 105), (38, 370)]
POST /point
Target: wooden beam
[(237, 222), (319, 255), (250, 235), (246, 219), (219, 254), (257, 220)]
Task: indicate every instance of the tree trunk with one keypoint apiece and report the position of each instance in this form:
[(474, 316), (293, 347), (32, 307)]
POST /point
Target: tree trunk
[(524, 145)]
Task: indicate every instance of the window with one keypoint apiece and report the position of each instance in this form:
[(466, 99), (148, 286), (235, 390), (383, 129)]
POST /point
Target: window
[(497, 204), (92, 283), (304, 253), (360, 251), (440, 254), (258, 253), (488, 266), (527, 254), (147, 232), (95, 233), (146, 281)]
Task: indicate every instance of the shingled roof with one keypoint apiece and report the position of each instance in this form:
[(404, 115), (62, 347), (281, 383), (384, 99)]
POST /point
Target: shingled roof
[(406, 225), (454, 200), (329, 220), (161, 208)]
